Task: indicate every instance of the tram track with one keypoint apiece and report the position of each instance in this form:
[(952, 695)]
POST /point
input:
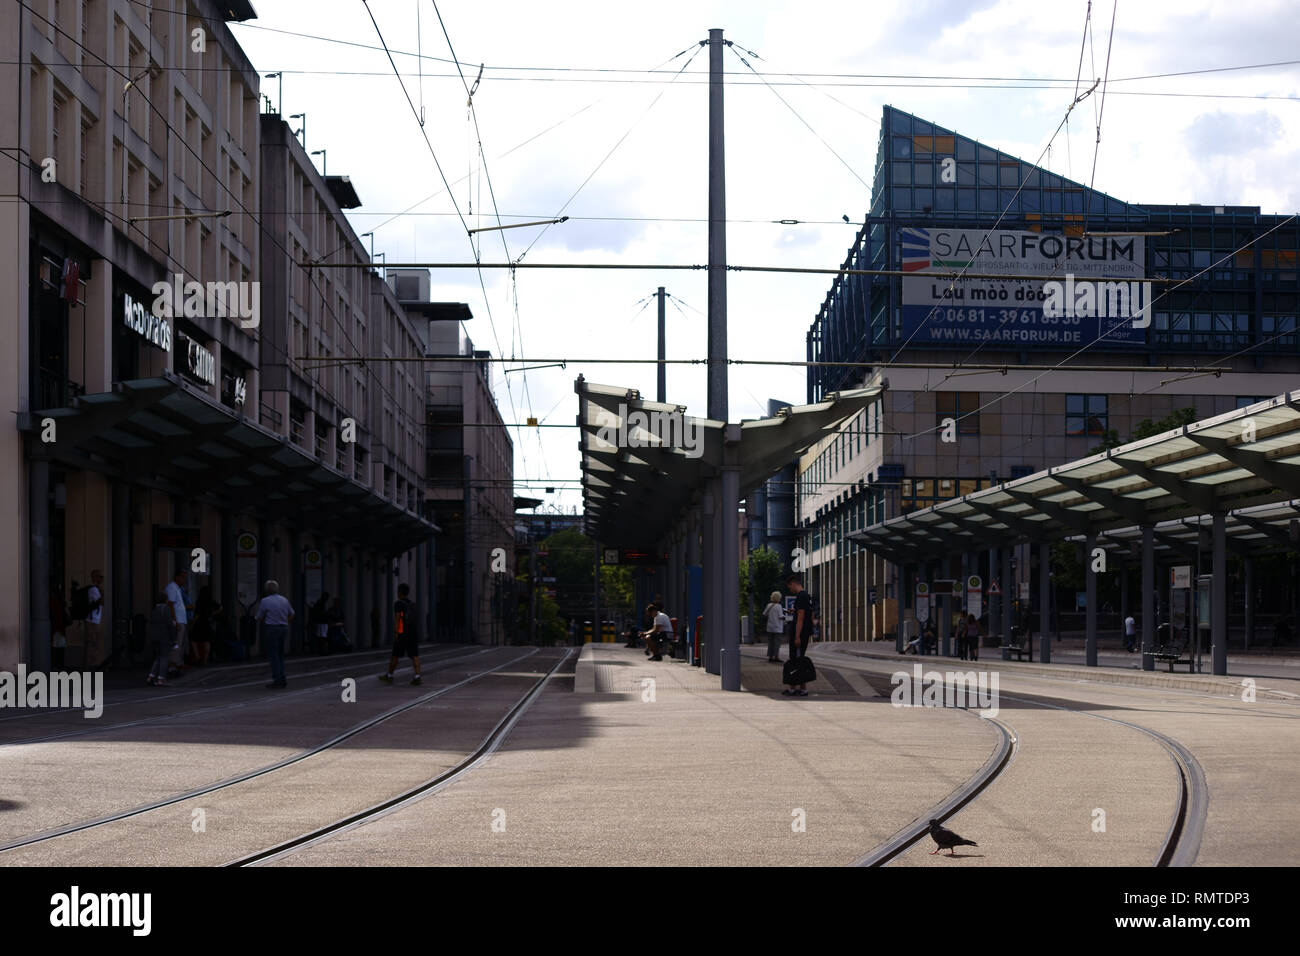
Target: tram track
[(429, 787), (295, 758), (232, 705), (1179, 846)]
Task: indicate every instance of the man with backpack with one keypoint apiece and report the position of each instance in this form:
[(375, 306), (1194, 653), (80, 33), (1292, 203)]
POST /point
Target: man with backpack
[(405, 635)]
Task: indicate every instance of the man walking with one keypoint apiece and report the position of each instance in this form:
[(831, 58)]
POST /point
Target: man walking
[(275, 612), (406, 639), (801, 637), (177, 600)]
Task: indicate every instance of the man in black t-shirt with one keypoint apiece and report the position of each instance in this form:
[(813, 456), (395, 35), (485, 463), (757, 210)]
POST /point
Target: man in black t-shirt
[(801, 635), (405, 635)]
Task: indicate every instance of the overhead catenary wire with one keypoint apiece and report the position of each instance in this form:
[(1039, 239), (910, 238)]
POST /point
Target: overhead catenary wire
[(447, 186), (514, 292), (612, 150), (1084, 42)]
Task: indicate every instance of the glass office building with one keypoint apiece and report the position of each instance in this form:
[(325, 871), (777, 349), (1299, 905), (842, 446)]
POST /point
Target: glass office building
[(1024, 388)]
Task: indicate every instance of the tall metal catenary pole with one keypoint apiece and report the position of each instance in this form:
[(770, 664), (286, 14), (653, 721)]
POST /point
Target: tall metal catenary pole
[(726, 624), (663, 342)]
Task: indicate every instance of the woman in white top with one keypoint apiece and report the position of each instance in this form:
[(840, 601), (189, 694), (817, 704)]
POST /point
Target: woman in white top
[(774, 623)]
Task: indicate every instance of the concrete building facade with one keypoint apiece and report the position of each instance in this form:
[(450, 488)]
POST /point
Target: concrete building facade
[(469, 490), (165, 416)]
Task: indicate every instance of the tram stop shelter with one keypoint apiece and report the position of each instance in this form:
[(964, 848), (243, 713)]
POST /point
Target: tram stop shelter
[(1226, 483), (657, 481)]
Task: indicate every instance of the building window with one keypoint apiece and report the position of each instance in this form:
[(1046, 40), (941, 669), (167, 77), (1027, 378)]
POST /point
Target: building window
[(962, 406), (1085, 415), (1245, 400)]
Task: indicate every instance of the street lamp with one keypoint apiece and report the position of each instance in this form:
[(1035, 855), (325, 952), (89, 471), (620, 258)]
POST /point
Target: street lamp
[(371, 234), (321, 154), (279, 105), (126, 125), (301, 132)]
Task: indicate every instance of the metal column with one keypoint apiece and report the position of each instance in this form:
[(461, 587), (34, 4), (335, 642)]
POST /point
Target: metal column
[(1148, 597), (712, 610), (1219, 597), (997, 602), (724, 646), (1008, 594), (1250, 602), (663, 367), (1090, 612), (1045, 602)]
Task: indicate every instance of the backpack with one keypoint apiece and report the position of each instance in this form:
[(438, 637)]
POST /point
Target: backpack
[(80, 604)]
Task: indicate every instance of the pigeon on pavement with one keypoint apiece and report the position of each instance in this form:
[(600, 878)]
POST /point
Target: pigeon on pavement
[(946, 839)]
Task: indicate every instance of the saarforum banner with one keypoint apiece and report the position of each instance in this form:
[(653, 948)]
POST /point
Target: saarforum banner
[(1011, 312)]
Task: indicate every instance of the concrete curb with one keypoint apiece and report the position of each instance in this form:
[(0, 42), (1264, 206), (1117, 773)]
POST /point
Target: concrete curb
[(1217, 685), (584, 674)]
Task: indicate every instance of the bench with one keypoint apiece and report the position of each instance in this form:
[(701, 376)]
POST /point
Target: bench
[(1174, 652), (1019, 645)]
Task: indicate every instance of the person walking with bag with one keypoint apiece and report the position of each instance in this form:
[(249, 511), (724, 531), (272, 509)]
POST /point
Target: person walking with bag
[(774, 624), (798, 669)]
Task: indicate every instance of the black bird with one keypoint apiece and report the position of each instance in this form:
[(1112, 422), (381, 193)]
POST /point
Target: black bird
[(946, 839)]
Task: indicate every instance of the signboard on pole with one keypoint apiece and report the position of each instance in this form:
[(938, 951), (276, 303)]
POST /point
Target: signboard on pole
[(1024, 591), (1180, 577), (922, 602), (994, 589), (974, 595)]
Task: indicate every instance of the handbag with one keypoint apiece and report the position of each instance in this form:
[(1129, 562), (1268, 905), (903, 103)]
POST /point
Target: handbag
[(798, 670)]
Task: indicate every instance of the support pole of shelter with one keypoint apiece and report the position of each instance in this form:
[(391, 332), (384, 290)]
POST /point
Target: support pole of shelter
[(1219, 596), (1090, 599), (1044, 601), (1148, 597)]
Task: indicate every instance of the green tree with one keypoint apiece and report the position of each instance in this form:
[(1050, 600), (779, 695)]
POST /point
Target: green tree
[(1146, 428), (570, 557), (616, 588), (550, 629), (767, 577), (1177, 419)]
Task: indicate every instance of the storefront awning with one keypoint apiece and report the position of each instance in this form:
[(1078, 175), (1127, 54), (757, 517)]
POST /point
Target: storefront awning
[(162, 433)]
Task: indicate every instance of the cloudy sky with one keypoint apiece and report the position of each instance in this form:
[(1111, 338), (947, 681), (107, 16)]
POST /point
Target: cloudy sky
[(566, 94)]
